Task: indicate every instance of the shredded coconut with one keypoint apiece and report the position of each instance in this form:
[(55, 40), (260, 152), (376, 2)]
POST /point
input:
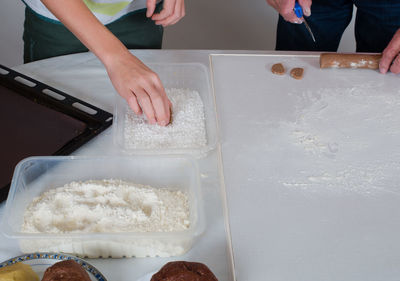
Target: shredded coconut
[(107, 206), (187, 129)]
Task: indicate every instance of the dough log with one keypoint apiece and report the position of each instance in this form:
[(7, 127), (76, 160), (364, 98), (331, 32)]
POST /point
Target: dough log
[(328, 60)]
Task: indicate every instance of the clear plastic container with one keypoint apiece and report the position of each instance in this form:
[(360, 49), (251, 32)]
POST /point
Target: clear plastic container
[(35, 175), (193, 76)]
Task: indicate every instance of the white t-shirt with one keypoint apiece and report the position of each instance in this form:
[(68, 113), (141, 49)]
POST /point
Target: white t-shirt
[(106, 11)]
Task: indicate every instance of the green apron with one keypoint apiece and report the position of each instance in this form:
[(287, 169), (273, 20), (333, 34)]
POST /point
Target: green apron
[(45, 38)]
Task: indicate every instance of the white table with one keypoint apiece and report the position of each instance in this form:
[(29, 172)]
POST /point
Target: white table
[(285, 223)]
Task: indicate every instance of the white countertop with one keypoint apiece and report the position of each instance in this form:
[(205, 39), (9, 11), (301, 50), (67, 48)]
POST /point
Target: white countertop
[(305, 202)]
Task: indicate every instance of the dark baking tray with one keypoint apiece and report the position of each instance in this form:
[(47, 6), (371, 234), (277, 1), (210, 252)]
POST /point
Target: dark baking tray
[(36, 119)]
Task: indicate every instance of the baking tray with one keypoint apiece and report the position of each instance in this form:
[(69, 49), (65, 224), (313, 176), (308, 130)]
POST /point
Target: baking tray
[(36, 119)]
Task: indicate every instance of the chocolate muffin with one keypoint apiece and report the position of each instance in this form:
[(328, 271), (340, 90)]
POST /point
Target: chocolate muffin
[(67, 270), (184, 271)]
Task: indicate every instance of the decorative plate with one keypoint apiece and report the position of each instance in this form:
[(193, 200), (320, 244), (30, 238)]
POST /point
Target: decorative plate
[(41, 261)]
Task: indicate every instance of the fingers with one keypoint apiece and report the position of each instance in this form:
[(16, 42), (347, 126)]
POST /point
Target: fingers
[(306, 6), (151, 6), (146, 105), (140, 87), (149, 97), (182, 13), (130, 98), (152, 100), (167, 10), (133, 104), (391, 54), (395, 68), (286, 11), (159, 99), (171, 13), (162, 107)]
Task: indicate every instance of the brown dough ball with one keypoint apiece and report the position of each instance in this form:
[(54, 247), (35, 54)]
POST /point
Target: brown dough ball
[(297, 73), (67, 270), (278, 69), (184, 271)]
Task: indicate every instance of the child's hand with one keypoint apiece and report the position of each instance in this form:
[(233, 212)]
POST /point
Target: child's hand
[(172, 12), (140, 87), (135, 82)]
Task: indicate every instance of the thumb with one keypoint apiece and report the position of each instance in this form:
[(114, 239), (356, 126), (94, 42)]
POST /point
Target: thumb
[(151, 6), (286, 11), (306, 5)]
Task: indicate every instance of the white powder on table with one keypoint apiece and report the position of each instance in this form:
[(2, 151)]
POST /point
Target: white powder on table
[(187, 129), (107, 206), (344, 139)]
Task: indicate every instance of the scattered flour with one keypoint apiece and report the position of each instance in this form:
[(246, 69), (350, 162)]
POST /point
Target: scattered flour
[(107, 206), (187, 129), (344, 139)]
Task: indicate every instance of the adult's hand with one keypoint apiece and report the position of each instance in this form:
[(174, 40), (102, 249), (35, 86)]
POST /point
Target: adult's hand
[(140, 87), (391, 56), (285, 8), (172, 12)]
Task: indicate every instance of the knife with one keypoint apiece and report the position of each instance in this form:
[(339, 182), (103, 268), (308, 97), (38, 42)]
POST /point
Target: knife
[(299, 13)]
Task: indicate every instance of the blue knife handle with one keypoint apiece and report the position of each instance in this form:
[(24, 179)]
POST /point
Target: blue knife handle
[(298, 10)]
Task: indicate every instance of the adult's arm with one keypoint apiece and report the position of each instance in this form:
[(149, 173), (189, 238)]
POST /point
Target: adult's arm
[(134, 81)]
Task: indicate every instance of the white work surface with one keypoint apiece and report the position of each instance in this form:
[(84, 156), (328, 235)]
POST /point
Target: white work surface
[(311, 167)]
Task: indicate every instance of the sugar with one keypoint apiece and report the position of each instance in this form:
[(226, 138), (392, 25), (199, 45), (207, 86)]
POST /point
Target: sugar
[(187, 129)]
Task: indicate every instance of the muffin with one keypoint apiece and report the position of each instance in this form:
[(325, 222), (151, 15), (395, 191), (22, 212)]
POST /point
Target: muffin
[(67, 270), (184, 271)]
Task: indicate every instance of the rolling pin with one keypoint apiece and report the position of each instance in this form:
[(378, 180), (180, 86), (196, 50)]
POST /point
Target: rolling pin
[(328, 60)]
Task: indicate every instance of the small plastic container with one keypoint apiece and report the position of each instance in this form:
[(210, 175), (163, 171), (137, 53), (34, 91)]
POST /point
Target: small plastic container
[(35, 175), (193, 76)]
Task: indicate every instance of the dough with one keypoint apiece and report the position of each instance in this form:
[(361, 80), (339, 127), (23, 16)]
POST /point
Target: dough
[(297, 73), (67, 270), (278, 69), (338, 60), (184, 271)]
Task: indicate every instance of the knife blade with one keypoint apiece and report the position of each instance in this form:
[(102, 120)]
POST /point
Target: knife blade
[(299, 13)]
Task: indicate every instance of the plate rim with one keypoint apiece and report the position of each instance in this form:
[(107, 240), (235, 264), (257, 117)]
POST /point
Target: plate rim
[(55, 256)]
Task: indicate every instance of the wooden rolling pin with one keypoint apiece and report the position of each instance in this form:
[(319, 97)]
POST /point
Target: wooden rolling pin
[(338, 60)]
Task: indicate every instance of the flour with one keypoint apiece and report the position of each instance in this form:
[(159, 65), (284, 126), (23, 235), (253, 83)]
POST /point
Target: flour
[(344, 139), (187, 129), (360, 63), (107, 206)]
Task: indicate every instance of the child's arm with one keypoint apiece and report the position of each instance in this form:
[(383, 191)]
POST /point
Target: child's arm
[(133, 80)]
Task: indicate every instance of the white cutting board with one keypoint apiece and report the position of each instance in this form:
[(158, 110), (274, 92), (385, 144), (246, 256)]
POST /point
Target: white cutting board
[(314, 165)]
